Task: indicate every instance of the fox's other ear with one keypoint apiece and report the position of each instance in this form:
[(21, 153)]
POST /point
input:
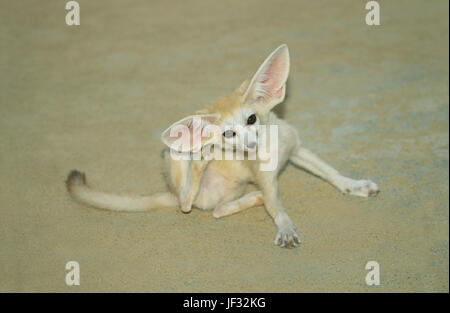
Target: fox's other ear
[(267, 87), (188, 134)]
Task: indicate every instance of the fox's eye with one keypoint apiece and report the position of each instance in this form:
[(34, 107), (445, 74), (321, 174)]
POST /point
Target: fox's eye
[(229, 133), (251, 119)]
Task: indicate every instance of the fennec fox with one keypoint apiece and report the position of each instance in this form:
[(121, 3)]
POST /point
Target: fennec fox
[(218, 184)]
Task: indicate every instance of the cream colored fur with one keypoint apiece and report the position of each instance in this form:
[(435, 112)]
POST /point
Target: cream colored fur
[(220, 185)]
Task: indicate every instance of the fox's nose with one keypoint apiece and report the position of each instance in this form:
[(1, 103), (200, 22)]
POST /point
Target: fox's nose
[(252, 145)]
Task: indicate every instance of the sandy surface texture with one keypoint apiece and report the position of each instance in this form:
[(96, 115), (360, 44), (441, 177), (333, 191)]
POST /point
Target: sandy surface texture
[(371, 101)]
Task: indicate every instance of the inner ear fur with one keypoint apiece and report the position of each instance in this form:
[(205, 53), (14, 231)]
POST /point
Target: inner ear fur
[(267, 87), (185, 135)]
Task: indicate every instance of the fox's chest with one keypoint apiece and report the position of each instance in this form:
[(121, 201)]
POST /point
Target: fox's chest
[(222, 181)]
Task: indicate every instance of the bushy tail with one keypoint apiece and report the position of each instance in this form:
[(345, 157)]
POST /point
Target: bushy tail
[(79, 190)]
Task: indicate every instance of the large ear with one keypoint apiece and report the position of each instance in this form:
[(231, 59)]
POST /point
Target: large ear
[(267, 87), (191, 133)]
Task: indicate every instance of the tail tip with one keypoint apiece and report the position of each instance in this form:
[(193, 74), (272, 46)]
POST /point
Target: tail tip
[(75, 178)]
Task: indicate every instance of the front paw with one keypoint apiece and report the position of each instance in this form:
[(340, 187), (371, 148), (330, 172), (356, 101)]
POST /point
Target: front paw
[(362, 188), (287, 238)]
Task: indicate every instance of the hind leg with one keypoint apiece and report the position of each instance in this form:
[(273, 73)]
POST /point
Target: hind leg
[(309, 161), (184, 177), (248, 201)]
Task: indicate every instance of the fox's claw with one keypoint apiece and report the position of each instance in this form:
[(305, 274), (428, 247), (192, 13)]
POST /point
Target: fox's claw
[(287, 238)]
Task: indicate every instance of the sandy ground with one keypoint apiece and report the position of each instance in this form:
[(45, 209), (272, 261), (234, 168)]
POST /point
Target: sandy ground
[(372, 101)]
